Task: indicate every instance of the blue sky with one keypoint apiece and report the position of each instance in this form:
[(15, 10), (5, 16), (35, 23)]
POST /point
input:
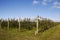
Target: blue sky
[(30, 8)]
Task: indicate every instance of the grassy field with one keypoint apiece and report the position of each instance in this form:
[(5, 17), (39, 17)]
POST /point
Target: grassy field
[(50, 34)]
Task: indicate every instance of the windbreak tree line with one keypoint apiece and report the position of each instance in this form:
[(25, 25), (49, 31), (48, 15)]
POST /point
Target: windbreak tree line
[(27, 24)]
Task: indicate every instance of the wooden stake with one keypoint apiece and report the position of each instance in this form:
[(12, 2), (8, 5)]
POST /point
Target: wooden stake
[(19, 24), (36, 32), (0, 24), (8, 24), (37, 25)]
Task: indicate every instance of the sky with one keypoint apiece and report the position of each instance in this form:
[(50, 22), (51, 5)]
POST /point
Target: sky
[(30, 8)]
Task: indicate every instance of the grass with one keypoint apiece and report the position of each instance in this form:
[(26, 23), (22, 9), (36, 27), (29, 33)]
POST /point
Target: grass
[(50, 34)]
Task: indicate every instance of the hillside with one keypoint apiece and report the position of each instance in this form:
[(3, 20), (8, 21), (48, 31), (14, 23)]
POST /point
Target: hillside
[(50, 34)]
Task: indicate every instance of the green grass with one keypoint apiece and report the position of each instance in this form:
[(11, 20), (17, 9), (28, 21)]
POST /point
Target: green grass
[(50, 34)]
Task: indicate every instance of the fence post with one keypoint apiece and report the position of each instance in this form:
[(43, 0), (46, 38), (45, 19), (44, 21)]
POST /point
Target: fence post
[(36, 32), (8, 24), (19, 24), (0, 23)]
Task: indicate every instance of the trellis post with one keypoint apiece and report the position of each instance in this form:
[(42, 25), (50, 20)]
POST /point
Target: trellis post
[(36, 32), (19, 24), (8, 24), (0, 23)]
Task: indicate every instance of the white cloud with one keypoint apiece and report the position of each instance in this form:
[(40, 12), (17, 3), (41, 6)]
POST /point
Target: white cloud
[(35, 2), (44, 3), (47, 0), (44, 0), (56, 4)]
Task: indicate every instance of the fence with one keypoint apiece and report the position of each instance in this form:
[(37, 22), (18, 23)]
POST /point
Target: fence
[(19, 23), (27, 23)]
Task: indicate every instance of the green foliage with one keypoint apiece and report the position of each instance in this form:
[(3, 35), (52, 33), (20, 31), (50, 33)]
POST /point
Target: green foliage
[(26, 24), (13, 23), (45, 24), (4, 24)]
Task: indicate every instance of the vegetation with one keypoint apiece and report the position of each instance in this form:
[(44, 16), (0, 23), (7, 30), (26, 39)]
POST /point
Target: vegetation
[(26, 24), (50, 34), (48, 30)]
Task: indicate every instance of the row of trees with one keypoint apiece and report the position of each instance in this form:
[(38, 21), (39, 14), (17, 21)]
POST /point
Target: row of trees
[(27, 24)]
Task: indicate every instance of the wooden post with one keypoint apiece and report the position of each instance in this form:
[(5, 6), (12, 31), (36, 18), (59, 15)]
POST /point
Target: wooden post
[(0, 23), (19, 24), (36, 32), (8, 24), (37, 25)]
